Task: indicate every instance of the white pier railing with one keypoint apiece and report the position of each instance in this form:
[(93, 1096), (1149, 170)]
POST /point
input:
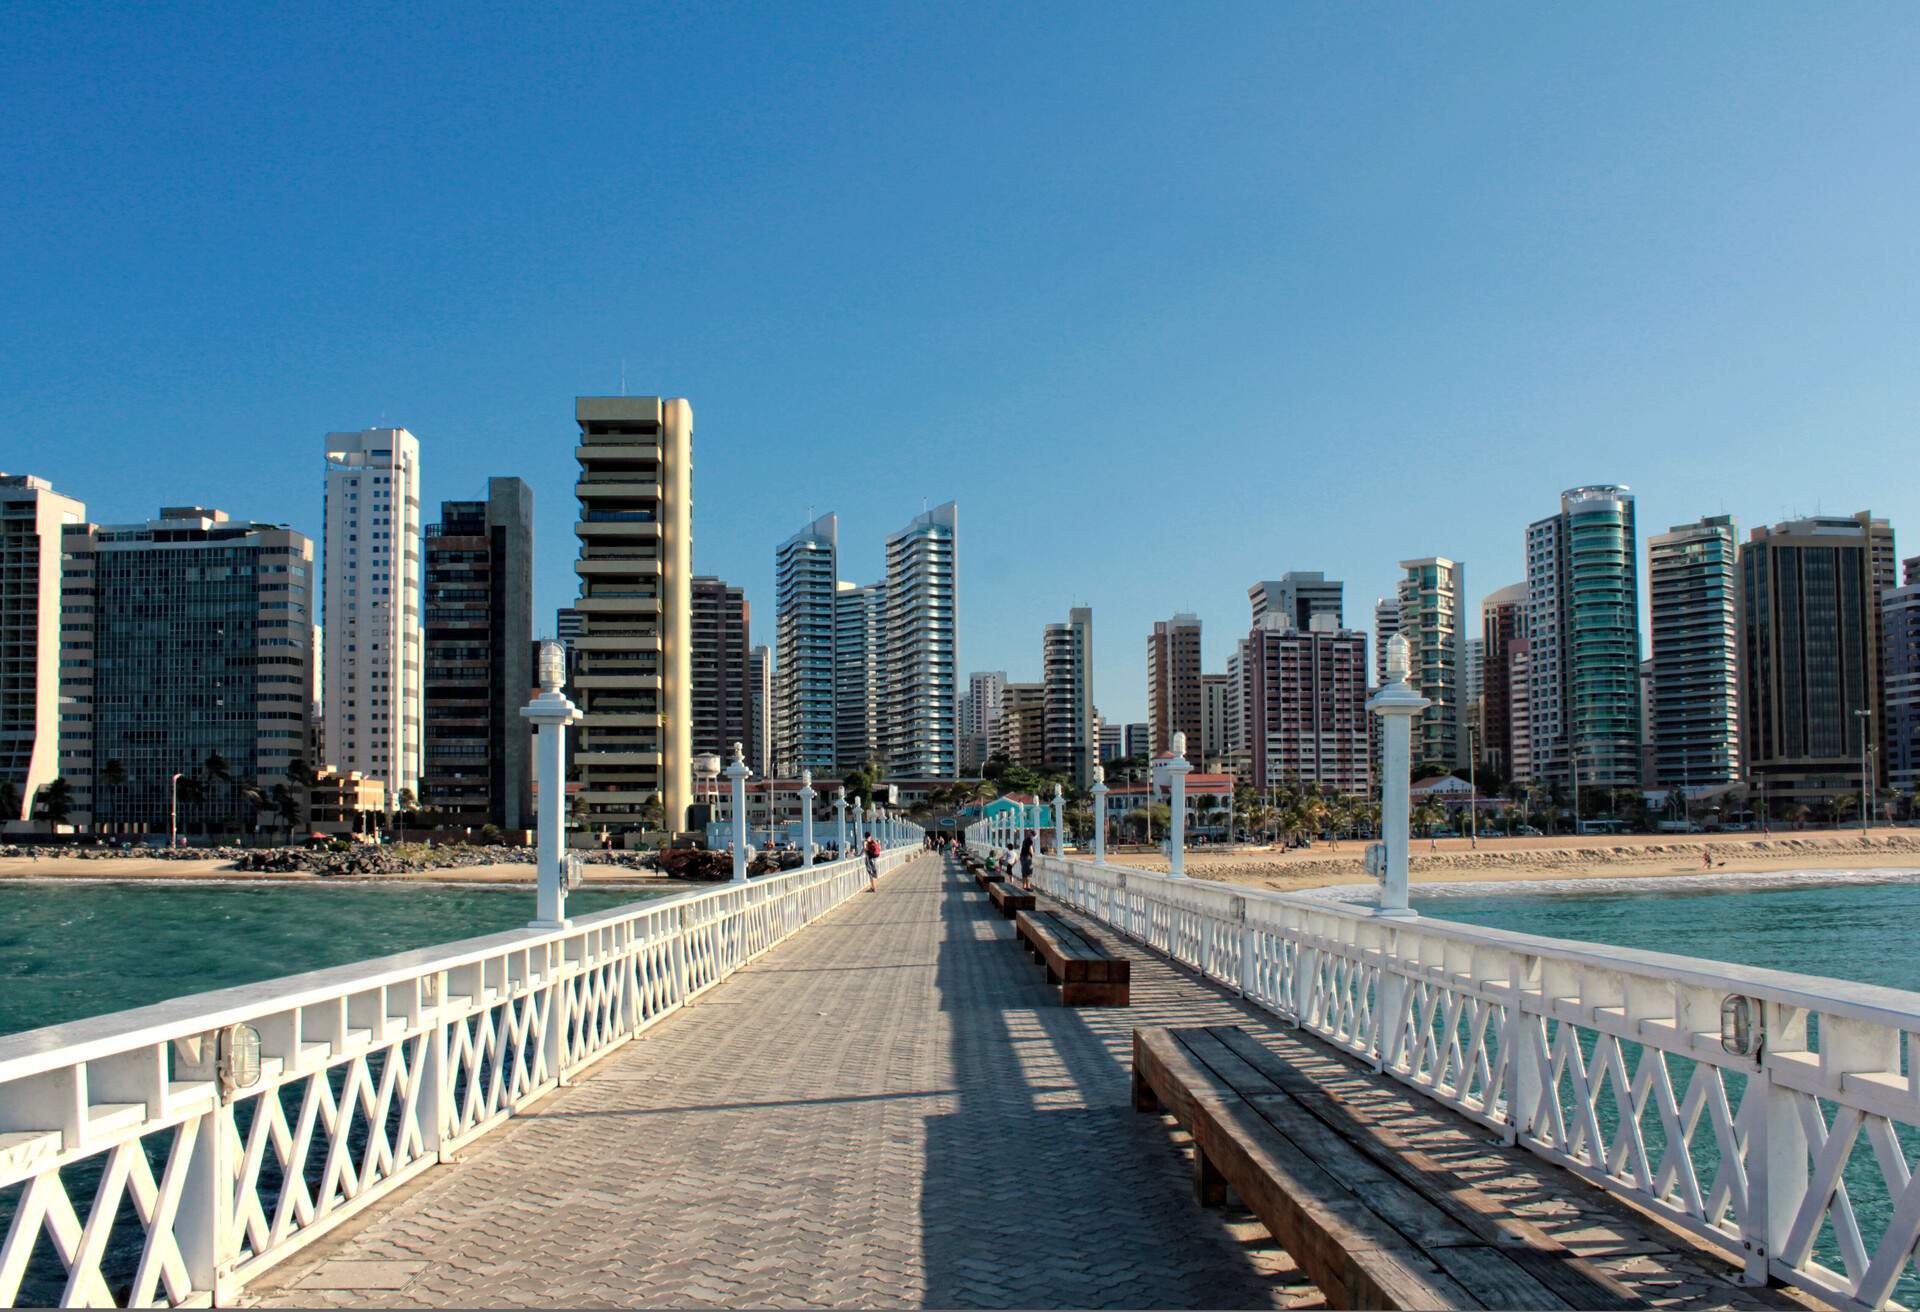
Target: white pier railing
[(144, 1158), (1776, 1116)]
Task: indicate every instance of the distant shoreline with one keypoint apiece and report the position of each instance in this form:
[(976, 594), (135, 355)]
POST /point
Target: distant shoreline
[(1602, 885), (161, 870), (1567, 860)]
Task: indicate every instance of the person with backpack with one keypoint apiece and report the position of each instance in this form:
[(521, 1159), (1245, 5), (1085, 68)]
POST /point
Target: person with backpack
[(873, 864)]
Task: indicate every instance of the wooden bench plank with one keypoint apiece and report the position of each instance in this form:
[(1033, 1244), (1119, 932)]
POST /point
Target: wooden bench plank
[(1097, 979), (1569, 1275), (1370, 1230)]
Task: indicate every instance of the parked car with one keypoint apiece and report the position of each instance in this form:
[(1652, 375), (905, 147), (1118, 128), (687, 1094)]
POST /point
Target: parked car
[(1527, 831)]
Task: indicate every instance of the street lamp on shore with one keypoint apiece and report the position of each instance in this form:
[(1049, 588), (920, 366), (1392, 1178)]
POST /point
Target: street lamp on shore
[(1866, 793), (173, 811)]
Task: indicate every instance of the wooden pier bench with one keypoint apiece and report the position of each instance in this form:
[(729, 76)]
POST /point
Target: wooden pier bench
[(1088, 975), (1009, 897), (988, 877), (1373, 1222)]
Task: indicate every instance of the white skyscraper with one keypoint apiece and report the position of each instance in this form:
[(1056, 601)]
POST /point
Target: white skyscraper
[(32, 518), (919, 701), (372, 664)]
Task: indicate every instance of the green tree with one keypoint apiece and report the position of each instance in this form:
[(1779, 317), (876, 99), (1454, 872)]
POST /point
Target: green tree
[(286, 805), (113, 780), (191, 792), (56, 801), (219, 779), (1427, 816)]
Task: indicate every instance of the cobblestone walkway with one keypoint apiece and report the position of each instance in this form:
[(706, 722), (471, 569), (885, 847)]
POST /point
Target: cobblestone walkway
[(893, 1109)]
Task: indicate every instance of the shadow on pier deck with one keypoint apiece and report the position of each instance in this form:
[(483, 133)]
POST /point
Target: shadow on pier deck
[(893, 1109)]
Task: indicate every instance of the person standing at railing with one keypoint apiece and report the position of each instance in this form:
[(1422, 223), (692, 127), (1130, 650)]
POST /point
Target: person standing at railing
[(1026, 860), (873, 864)]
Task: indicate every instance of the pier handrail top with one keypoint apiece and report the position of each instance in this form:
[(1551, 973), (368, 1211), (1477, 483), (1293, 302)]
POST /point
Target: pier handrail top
[(51, 1047), (1848, 999)]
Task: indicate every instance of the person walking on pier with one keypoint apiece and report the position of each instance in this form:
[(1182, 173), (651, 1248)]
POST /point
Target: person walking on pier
[(1026, 860), (873, 864)]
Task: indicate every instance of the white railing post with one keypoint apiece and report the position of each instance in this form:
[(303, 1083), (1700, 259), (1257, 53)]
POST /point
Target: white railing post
[(806, 819), (1177, 821), (1396, 704), (840, 823), (1059, 822), (551, 712), (859, 826), (209, 1244), (737, 782), (1099, 791), (1777, 1166)]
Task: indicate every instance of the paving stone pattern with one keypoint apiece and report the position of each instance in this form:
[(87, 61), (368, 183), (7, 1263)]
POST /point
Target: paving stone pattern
[(893, 1109)]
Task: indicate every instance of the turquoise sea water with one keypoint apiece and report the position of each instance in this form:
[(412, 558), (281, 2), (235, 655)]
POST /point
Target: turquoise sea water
[(82, 947), (1864, 932)]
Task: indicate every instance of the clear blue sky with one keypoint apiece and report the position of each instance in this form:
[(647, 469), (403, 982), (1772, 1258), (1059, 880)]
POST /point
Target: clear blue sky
[(1171, 299)]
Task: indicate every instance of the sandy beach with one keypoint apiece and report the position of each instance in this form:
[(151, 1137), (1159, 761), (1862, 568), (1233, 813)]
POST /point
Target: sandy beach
[(1456, 860), (149, 868)]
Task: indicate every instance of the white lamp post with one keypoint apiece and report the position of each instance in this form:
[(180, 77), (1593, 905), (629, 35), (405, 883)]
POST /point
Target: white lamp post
[(806, 819), (1177, 824), (859, 826), (1099, 813), (1396, 704), (840, 822), (737, 782), (1059, 822), (551, 713)]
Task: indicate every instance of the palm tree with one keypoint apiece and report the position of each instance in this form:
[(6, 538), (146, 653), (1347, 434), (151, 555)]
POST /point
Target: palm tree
[(287, 805), (1428, 814), (192, 793), (218, 773), (113, 775), (56, 801)]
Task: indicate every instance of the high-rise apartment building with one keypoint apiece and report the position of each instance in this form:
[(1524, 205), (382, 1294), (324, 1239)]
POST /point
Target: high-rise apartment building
[(722, 681), (1583, 640), (761, 717), (1810, 653), (1113, 741), (635, 664), (1067, 670), (1139, 738), (1433, 614), (806, 574), (1306, 703), (1175, 703), (1900, 663), (32, 517), (1020, 730), (979, 708), (919, 707), (1215, 700), (1300, 595), (859, 667), (478, 766), (373, 681), (1386, 623), (1519, 713), (1694, 710), (1476, 669), (568, 624), (187, 650), (1236, 697), (1503, 618)]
